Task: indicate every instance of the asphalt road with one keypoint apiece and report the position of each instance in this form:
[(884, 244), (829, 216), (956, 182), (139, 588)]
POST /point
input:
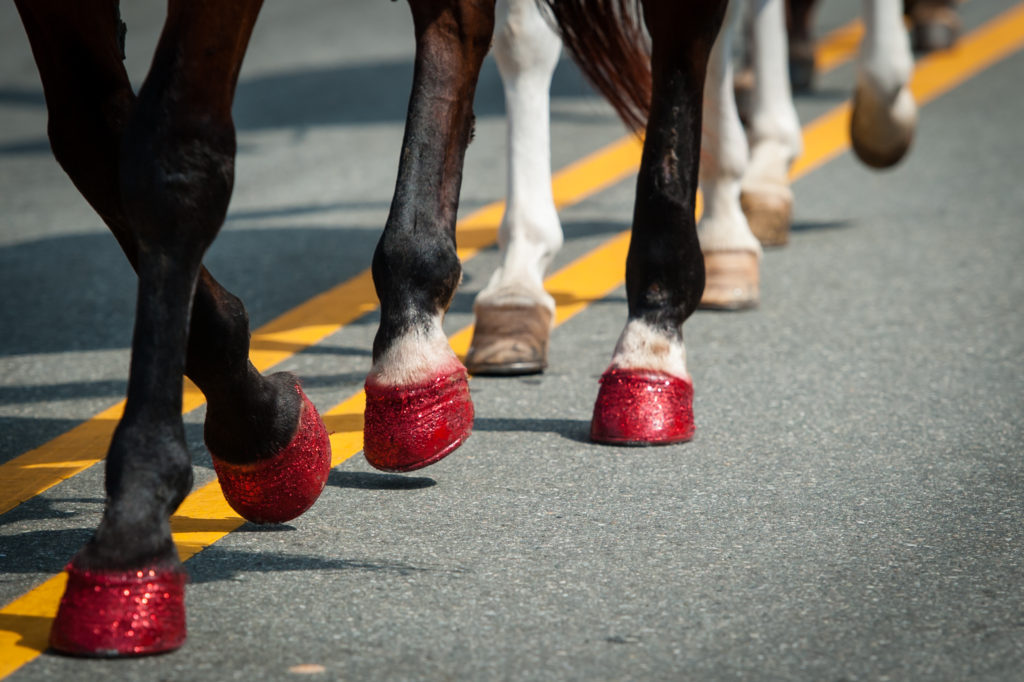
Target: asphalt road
[(852, 505)]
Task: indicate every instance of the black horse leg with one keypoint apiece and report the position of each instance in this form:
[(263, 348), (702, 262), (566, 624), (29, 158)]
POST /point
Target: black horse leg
[(167, 161), (800, 28), (646, 394), (252, 421), (417, 397)]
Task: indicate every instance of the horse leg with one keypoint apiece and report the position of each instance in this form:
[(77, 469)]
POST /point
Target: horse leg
[(269, 445), (934, 24), (124, 594), (773, 131), (884, 112), (800, 28), (514, 314), (732, 253), (646, 395), (418, 407)]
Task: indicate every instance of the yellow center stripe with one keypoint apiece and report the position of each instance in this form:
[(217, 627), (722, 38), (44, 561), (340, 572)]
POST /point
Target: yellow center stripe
[(205, 517), (42, 468)]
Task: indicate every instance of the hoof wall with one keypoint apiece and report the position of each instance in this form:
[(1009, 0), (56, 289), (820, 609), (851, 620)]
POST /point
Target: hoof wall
[(638, 407), (408, 428), (769, 217), (280, 488), (731, 280), (509, 340), (881, 132), (122, 613)]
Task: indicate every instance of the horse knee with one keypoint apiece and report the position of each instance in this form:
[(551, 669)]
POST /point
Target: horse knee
[(176, 180)]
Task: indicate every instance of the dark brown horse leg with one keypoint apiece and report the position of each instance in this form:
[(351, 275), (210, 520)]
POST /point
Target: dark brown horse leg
[(175, 170), (417, 396), (934, 24), (800, 25), (250, 418), (646, 394)]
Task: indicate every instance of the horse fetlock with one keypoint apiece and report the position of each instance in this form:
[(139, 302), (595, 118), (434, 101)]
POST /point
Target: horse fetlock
[(253, 419), (651, 345), (724, 227), (149, 460), (412, 355)]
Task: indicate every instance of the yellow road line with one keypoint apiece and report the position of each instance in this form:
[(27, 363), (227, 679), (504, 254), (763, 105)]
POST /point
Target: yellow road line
[(204, 517), (838, 47), (37, 470)]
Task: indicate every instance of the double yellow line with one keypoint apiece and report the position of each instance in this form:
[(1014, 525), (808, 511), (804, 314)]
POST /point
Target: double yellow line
[(204, 517)]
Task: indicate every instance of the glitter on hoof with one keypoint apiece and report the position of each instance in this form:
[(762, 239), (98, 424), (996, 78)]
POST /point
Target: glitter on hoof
[(642, 407), (281, 487), (121, 613), (410, 427)]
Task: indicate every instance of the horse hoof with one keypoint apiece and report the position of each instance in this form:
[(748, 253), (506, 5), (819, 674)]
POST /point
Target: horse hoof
[(410, 427), (640, 407), (509, 340), (881, 131), (933, 28), (281, 487), (121, 613), (731, 280), (769, 216)]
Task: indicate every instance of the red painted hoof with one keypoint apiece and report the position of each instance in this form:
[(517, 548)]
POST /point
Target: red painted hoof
[(408, 428), (280, 488), (639, 407), (119, 613)]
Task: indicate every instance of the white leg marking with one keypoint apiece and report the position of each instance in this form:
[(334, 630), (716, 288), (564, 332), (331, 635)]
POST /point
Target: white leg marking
[(415, 358), (724, 155), (526, 50), (641, 346), (885, 61), (774, 130)]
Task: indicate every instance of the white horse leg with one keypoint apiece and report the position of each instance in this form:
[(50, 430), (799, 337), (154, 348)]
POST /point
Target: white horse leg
[(514, 314), (773, 130), (731, 252), (884, 111)]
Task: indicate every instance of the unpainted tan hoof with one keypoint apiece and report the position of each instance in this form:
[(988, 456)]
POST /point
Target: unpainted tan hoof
[(881, 131), (769, 215), (509, 340), (731, 280)]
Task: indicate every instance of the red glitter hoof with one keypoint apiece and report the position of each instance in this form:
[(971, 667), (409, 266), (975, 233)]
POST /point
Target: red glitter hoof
[(282, 487), (408, 428), (120, 613), (638, 407)]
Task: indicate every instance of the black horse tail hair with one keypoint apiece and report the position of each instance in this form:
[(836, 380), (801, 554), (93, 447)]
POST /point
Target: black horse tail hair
[(607, 41)]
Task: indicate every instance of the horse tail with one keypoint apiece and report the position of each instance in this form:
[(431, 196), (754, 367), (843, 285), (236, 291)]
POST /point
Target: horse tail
[(608, 43)]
